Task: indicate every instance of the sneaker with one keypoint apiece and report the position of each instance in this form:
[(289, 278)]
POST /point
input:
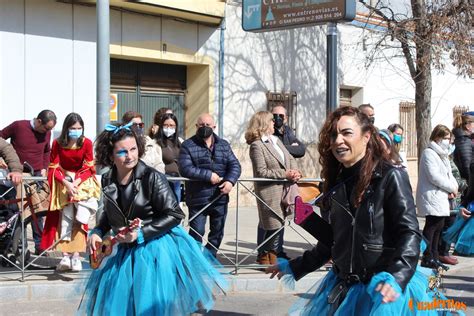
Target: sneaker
[(64, 264), (76, 265)]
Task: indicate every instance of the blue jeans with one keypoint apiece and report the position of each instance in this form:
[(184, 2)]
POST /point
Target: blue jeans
[(176, 187), (261, 236), (217, 215)]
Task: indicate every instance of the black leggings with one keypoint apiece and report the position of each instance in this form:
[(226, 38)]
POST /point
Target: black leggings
[(432, 232)]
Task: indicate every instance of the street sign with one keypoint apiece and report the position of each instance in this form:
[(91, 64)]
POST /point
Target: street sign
[(270, 15)]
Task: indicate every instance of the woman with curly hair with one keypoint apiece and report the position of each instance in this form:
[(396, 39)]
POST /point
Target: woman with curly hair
[(158, 268), (375, 234)]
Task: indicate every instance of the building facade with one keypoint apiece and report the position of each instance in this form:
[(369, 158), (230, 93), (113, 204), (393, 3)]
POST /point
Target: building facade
[(179, 54)]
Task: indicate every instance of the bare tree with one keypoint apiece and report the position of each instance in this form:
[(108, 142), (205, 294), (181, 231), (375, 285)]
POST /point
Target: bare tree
[(431, 34)]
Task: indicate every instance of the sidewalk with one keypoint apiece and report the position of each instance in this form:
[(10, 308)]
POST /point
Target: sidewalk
[(47, 284)]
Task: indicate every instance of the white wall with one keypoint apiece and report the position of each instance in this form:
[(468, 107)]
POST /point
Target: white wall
[(292, 60), (48, 55), (47, 60), (296, 60)]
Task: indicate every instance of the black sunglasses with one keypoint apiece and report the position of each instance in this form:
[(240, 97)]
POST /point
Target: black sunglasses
[(141, 125), (282, 116)]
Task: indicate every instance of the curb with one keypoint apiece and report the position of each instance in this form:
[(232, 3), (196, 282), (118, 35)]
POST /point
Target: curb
[(38, 290)]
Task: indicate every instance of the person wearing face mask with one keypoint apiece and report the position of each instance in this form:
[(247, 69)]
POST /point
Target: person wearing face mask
[(368, 110), (397, 131), (285, 133), (153, 155), (436, 185), (167, 138), (74, 193), (210, 162)]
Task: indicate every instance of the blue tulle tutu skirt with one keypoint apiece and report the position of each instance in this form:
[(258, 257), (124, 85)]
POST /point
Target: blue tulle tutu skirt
[(362, 299), (170, 275), (461, 233)]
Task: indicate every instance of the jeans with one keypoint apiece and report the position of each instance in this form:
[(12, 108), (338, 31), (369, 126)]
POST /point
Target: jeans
[(262, 235), (176, 187), (217, 215)]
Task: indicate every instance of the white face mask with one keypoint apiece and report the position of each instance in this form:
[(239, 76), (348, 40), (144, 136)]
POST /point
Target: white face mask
[(451, 149), (168, 131), (444, 143)]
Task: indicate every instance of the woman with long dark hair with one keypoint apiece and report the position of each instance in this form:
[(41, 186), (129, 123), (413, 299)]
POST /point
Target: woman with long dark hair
[(74, 193), (158, 268), (375, 235), (167, 138)]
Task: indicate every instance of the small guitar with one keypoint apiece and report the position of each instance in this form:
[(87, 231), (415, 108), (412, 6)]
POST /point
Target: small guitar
[(104, 249)]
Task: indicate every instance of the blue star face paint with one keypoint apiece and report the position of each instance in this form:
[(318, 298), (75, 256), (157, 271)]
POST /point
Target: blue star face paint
[(121, 153)]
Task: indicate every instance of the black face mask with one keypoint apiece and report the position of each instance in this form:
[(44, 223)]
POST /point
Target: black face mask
[(278, 120), (372, 120), (138, 130), (204, 132)]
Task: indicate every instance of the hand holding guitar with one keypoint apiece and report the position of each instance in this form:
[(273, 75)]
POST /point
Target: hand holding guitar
[(129, 237), (100, 249)]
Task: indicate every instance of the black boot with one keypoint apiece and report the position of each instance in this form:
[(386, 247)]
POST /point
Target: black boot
[(429, 263)]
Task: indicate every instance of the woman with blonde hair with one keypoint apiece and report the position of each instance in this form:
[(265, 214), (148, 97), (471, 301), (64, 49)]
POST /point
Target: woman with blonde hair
[(270, 159)]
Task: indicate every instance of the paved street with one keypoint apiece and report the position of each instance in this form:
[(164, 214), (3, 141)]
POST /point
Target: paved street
[(459, 285)]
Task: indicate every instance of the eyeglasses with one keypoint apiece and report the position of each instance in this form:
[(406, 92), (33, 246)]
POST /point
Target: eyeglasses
[(169, 125), (282, 116), (141, 125)]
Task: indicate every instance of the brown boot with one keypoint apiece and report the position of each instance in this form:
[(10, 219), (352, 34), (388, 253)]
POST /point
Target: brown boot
[(263, 259), (272, 257)]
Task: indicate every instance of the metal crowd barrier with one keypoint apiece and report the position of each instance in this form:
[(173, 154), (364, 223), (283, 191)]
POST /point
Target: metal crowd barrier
[(236, 263)]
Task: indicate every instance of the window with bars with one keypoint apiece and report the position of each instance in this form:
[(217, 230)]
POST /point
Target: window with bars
[(408, 121), (288, 100), (345, 97), (459, 110)]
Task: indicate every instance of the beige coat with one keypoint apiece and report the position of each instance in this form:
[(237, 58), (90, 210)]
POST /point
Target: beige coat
[(267, 163)]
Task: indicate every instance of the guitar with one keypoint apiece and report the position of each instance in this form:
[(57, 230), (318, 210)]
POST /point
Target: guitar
[(104, 249)]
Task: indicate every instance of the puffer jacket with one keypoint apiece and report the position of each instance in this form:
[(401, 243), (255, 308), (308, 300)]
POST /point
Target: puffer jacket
[(153, 202), (435, 182), (382, 235), (463, 152), (196, 161)]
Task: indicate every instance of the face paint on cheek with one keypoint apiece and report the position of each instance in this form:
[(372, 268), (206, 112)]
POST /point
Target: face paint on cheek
[(121, 153)]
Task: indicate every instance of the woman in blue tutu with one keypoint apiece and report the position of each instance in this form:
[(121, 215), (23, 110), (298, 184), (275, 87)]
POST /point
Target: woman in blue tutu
[(158, 269), (375, 234), (461, 233)]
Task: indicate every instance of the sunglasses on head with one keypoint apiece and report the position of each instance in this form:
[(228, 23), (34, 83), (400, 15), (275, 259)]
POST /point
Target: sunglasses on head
[(141, 125)]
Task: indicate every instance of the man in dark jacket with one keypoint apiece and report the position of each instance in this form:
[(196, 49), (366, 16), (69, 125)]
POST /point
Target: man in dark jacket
[(285, 133), (209, 161)]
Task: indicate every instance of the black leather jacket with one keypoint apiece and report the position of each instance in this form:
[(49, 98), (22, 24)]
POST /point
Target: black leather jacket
[(153, 202), (382, 236)]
